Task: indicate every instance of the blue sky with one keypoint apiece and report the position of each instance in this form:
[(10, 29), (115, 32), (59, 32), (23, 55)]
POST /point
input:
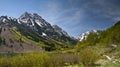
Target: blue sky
[(74, 16)]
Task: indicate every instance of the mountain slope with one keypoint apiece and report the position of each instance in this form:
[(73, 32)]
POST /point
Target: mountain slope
[(38, 24), (111, 35), (13, 41), (33, 29), (103, 38)]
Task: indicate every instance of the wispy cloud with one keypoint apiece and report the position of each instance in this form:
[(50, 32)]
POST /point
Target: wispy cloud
[(79, 12), (56, 14), (64, 17)]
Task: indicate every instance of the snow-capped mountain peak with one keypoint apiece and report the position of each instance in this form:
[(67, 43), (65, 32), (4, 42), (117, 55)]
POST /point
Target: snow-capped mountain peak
[(84, 35), (32, 19), (5, 19), (26, 19)]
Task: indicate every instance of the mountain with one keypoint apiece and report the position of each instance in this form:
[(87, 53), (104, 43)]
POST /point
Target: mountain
[(30, 32), (103, 37), (83, 36), (37, 23)]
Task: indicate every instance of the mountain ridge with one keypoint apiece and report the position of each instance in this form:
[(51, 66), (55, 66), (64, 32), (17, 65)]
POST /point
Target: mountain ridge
[(34, 28)]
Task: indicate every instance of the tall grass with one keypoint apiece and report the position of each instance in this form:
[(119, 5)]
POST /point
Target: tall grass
[(26, 60), (41, 59)]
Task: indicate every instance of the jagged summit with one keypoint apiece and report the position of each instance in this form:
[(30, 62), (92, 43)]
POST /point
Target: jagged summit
[(26, 14), (32, 19)]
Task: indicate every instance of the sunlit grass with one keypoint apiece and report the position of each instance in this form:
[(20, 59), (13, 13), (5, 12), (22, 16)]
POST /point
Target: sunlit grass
[(41, 59)]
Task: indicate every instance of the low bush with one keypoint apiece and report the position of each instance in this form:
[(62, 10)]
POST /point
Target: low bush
[(88, 56)]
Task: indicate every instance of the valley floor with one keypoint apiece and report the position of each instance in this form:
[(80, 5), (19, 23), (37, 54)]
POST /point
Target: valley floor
[(45, 59)]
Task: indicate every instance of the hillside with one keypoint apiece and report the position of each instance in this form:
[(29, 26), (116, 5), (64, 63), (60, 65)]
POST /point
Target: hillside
[(105, 37), (102, 47), (13, 41), (30, 32)]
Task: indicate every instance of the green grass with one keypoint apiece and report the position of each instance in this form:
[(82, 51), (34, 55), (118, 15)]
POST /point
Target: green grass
[(26, 60), (40, 59)]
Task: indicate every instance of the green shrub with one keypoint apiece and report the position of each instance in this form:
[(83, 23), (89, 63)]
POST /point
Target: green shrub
[(88, 56)]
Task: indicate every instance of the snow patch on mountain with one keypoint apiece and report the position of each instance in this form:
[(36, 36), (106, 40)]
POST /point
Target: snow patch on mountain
[(44, 34)]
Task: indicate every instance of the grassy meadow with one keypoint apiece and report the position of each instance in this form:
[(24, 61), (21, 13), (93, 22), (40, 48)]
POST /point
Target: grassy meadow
[(88, 57), (41, 59)]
